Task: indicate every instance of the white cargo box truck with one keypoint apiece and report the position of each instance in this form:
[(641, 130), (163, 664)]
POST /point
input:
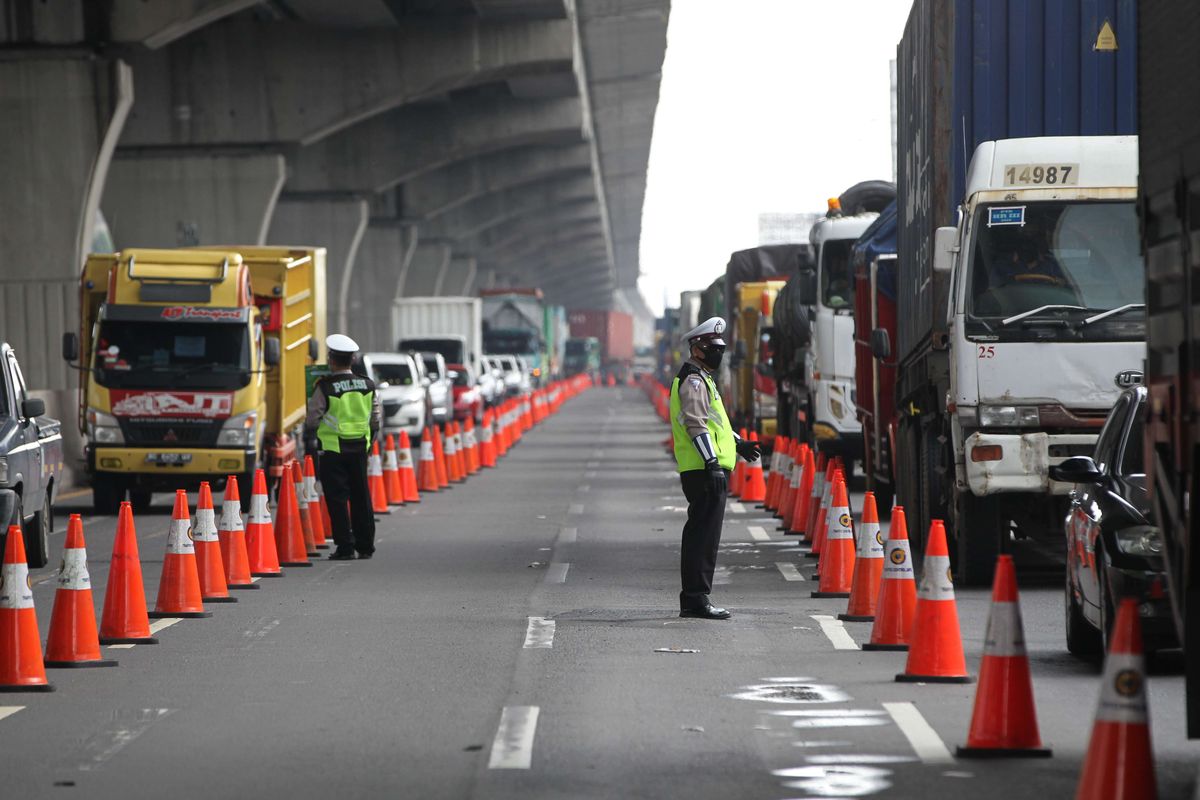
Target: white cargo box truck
[(452, 326)]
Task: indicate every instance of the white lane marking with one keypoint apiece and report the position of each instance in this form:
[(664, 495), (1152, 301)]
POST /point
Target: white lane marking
[(567, 535), (925, 742), (789, 571), (255, 579), (737, 508), (155, 626), (513, 746), (758, 534), (835, 631), (539, 634), (128, 726), (557, 573), (8, 711), (575, 508)]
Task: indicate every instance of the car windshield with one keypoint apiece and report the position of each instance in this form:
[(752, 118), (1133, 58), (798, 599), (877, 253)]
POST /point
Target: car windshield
[(836, 275), (431, 366), (394, 374), (449, 349), (181, 355), (1059, 260)]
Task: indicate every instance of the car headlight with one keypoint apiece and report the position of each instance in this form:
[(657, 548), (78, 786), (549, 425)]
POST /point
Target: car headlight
[(1009, 416), (1140, 540), (103, 428), (238, 431)]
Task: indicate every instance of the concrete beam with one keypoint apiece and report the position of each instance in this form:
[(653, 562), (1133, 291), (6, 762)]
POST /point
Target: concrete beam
[(530, 234), (500, 208), (337, 223), (156, 23), (424, 274), (458, 277), (387, 250), (165, 199), (398, 146), (243, 81), (441, 190)]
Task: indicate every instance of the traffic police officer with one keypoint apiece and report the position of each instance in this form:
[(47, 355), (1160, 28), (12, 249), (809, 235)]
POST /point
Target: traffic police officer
[(345, 412), (706, 450)]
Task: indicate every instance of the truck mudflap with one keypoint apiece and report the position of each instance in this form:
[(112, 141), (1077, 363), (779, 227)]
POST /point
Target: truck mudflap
[(163, 461), (999, 463)]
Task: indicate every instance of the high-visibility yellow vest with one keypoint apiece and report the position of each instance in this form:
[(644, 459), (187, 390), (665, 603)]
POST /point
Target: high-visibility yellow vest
[(348, 415), (687, 457)]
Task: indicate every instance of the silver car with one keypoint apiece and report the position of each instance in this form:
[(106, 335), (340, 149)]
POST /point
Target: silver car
[(405, 398), (441, 396)]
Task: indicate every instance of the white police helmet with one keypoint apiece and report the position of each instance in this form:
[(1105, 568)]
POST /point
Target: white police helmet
[(707, 332), (340, 343)]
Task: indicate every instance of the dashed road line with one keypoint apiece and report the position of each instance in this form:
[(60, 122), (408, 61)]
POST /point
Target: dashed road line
[(758, 533), (8, 711), (539, 634), (557, 573), (567, 535), (126, 728), (155, 626), (513, 746), (925, 741), (836, 632), (737, 508), (789, 571)]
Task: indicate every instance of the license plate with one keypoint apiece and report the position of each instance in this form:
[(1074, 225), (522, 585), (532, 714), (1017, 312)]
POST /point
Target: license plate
[(169, 459)]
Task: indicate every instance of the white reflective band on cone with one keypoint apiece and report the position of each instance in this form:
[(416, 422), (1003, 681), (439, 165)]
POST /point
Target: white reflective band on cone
[(935, 579), (870, 540), (818, 486), (404, 456), (206, 526), (179, 540), (73, 574), (458, 442), (390, 464), (15, 591), (301, 494), (310, 488), (426, 450), (259, 513), (231, 515), (487, 433), (840, 524), (899, 559), (374, 466), (1123, 690), (1005, 634), (797, 472), (450, 447), (470, 437)]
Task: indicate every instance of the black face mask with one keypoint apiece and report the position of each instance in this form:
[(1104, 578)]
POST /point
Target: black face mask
[(711, 355)]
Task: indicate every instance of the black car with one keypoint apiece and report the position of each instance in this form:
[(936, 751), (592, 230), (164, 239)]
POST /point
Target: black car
[(1113, 549)]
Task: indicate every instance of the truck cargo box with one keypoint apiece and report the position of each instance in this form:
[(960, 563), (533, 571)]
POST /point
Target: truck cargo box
[(614, 329)]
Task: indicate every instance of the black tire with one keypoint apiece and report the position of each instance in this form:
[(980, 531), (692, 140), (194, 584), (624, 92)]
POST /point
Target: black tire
[(37, 534), (107, 494), (1083, 640), (885, 496), (140, 499), (978, 530)]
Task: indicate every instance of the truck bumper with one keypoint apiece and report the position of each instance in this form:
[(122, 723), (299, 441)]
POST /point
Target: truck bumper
[(132, 463), (1021, 463)]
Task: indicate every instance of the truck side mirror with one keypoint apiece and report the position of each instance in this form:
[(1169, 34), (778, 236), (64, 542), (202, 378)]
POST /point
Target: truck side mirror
[(314, 349), (808, 288), (945, 250), (945, 245), (881, 344), (33, 407), (70, 346), (271, 352)]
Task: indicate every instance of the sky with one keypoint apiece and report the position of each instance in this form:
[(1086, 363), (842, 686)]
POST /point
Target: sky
[(765, 105)]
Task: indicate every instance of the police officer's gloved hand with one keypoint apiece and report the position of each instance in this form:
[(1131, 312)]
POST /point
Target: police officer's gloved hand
[(718, 481), (749, 450)]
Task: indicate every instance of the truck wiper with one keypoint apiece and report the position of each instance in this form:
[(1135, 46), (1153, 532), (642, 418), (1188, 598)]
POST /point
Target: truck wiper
[(1112, 312), (1004, 323)]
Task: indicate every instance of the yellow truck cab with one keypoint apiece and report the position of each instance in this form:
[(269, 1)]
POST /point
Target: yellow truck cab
[(192, 365), (752, 398)]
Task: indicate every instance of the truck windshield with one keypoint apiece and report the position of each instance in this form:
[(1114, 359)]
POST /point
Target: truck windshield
[(836, 274), (186, 355), (510, 342), (450, 349), (1065, 261), (575, 348)]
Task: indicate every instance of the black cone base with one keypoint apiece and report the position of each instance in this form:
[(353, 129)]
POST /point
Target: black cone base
[(829, 594), (905, 678), (129, 640), (295, 563), (856, 618), (241, 587), (219, 599), (884, 647), (179, 614), (1003, 752), (41, 687), (267, 574), (100, 662)]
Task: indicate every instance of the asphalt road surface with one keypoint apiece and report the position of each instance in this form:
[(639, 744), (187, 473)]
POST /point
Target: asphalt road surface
[(517, 637)]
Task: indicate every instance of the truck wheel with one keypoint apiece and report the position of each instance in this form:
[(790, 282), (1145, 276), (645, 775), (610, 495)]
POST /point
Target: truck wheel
[(37, 534), (1082, 639), (885, 496), (107, 494), (977, 534), (140, 499)]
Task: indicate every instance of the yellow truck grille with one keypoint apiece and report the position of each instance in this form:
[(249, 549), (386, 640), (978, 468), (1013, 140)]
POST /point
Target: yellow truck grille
[(166, 434)]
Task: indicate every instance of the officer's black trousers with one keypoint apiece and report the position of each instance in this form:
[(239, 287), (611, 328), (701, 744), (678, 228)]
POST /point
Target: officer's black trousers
[(701, 538), (344, 478)]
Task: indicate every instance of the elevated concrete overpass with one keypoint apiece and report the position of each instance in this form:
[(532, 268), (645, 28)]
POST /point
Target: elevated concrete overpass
[(433, 146)]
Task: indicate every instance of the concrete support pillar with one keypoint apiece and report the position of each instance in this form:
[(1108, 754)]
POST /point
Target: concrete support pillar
[(387, 246), (184, 198), (457, 278), (339, 225), (424, 274)]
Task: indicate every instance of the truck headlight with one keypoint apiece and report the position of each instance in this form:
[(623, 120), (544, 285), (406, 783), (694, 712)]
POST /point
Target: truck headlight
[(1140, 540), (238, 431), (1009, 416), (836, 407), (103, 428)]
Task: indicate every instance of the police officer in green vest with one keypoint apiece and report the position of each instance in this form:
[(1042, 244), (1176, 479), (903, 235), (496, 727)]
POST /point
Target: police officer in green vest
[(706, 449), (346, 414)]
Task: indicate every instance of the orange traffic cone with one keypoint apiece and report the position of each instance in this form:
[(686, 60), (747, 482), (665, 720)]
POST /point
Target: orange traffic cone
[(124, 619), (1004, 722), (487, 444), (439, 459), (772, 474), (305, 516), (179, 588), (787, 496), (379, 503), (754, 490), (408, 477), (801, 499), (897, 591), (261, 549), (451, 445), (234, 555), (428, 476), (822, 510), (786, 460), (814, 497), (1120, 762), (207, 544), (460, 448), (21, 666), (289, 533), (837, 557), (935, 654), (868, 566), (325, 520), (73, 641), (391, 473), (738, 479), (322, 533), (471, 442)]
